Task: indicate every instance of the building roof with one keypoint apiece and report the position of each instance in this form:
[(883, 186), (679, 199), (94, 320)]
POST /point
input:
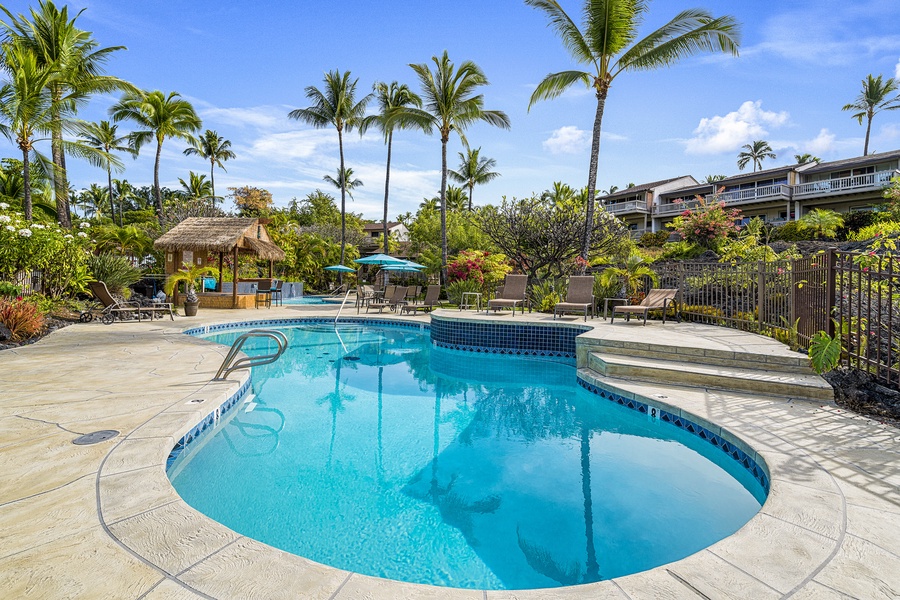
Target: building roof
[(849, 163), (379, 226), (220, 234), (635, 189)]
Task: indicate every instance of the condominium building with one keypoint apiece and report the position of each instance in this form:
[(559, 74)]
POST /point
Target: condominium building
[(634, 205)]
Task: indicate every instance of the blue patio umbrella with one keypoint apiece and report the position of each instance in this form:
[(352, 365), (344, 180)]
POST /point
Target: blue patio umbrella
[(401, 268), (341, 268), (414, 264), (379, 259)]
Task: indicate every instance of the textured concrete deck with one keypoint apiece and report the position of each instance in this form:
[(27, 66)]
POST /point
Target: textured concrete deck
[(102, 521)]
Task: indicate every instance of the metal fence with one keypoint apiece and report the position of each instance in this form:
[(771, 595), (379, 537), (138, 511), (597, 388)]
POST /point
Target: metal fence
[(854, 294)]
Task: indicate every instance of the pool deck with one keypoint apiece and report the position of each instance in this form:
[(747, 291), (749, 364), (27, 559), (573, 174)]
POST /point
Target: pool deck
[(102, 521)]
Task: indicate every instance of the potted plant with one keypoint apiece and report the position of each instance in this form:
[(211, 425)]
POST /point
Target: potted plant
[(192, 276)]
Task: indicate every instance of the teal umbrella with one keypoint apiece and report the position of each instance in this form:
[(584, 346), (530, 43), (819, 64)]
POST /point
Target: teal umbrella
[(410, 263), (341, 268), (380, 259), (401, 268)]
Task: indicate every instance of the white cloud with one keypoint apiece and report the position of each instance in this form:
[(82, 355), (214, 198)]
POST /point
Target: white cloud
[(727, 133), (821, 144), (567, 140), (291, 145), (262, 117)]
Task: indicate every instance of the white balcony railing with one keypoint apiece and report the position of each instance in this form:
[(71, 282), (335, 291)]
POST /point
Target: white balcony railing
[(672, 208), (761, 194), (845, 185), (627, 207)]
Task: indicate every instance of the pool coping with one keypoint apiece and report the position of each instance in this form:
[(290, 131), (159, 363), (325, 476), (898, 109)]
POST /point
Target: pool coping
[(788, 548)]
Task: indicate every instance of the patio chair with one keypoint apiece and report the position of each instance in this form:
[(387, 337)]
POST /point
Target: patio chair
[(264, 293), (432, 299), (512, 295), (579, 297), (125, 311), (655, 299), (277, 293), (398, 298), (364, 295)]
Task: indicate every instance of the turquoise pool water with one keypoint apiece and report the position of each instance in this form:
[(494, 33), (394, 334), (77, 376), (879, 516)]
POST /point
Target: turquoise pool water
[(304, 300), (371, 451)]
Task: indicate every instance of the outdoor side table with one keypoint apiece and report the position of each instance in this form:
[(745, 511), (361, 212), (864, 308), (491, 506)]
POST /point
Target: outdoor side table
[(470, 300), (606, 301)]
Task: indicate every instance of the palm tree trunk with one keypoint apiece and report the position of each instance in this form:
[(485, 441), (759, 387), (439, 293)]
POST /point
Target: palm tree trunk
[(343, 203), (60, 184), (868, 131), (159, 204), (112, 202), (212, 181), (592, 567), (387, 181), (592, 176), (26, 181), (444, 139), (471, 191)]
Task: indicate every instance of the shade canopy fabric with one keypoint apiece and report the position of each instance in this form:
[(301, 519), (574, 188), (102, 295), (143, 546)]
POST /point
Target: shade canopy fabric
[(341, 268), (410, 263), (379, 259), (401, 268)]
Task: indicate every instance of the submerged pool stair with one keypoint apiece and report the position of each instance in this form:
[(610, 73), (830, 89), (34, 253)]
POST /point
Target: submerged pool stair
[(762, 373)]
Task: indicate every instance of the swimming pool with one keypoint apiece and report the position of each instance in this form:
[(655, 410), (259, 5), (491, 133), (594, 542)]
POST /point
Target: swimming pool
[(370, 450), (305, 300)]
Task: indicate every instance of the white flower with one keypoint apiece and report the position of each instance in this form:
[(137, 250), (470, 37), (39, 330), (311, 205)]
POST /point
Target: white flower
[(3, 205), (82, 234), (84, 225), (68, 236), (38, 226), (10, 228), (5, 218), (25, 232)]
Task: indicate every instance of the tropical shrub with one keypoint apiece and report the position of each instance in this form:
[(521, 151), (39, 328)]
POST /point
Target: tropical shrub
[(9, 290), (654, 239), (545, 295), (115, 271), (792, 231), (824, 352), (23, 319), (476, 265), (455, 290), (822, 222), (855, 221), (192, 277), (708, 224), (681, 251), (631, 275), (881, 229)]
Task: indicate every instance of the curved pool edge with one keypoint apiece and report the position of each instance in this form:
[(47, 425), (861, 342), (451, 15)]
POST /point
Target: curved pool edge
[(218, 562)]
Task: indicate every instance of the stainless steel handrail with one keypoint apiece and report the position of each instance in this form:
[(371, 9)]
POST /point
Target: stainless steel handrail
[(343, 302), (230, 364)]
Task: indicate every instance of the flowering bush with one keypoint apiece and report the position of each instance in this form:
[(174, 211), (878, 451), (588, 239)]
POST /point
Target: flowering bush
[(58, 254), (708, 224), (481, 267), (22, 318)]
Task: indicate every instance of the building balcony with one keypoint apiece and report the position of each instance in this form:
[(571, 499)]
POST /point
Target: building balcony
[(873, 182), (622, 208), (674, 208), (767, 193)]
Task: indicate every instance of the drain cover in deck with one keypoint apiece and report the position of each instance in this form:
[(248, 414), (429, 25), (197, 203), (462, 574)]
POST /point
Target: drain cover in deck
[(95, 437)]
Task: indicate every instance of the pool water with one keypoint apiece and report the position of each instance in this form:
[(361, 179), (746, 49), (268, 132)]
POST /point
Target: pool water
[(304, 300), (369, 450)]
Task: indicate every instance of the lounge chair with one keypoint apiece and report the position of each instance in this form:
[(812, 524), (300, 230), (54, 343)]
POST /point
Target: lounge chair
[(398, 298), (655, 299), (432, 299), (278, 293), (264, 293), (126, 311), (364, 295), (513, 294), (579, 297)]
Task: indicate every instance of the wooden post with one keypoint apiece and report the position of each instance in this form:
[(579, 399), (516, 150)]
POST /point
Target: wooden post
[(234, 287), (271, 265), (219, 278)]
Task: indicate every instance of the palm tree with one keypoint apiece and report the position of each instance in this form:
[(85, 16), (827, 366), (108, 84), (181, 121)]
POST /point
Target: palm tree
[(713, 178), (94, 200), (214, 149), (872, 100), (158, 117), (805, 158), (102, 136), (123, 192), (457, 199), (823, 222), (560, 192), (631, 274), (197, 187), (474, 170), (756, 153), (336, 107), (392, 101), (344, 181), (610, 27), (76, 62), (25, 107), (451, 104)]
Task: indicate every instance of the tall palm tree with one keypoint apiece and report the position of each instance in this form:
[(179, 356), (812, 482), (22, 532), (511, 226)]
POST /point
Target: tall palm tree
[(158, 117), (344, 181), (25, 107), (77, 64), (451, 104), (393, 99), (874, 98), (103, 136), (335, 106), (197, 187), (94, 200), (756, 152), (805, 158), (474, 170), (607, 43), (213, 148)]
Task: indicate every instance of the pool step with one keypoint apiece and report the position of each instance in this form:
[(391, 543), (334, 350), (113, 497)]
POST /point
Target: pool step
[(763, 381), (781, 360)]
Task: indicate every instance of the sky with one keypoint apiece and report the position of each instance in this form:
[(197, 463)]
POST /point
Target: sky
[(245, 65)]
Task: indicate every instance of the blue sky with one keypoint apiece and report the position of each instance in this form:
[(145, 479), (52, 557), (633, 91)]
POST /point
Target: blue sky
[(245, 65)]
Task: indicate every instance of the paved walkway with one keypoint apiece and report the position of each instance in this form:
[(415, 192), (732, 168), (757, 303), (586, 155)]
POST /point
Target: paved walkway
[(102, 521)]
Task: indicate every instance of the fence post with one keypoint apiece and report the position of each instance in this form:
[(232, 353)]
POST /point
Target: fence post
[(830, 286), (761, 293)]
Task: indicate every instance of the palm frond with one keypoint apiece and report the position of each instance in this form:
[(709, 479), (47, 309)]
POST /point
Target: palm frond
[(689, 33), (565, 28), (554, 84)]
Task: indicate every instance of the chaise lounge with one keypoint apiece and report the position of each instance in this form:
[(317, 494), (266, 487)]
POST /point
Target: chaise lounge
[(655, 300), (579, 297), (513, 294)]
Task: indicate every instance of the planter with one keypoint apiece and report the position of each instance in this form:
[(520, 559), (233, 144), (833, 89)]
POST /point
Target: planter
[(190, 308)]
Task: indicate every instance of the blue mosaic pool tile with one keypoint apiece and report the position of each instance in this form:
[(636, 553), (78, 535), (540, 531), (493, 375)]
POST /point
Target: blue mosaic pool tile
[(741, 457), (505, 338)]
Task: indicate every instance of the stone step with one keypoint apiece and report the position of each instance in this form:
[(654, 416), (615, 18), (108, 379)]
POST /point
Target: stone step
[(761, 381), (783, 361)]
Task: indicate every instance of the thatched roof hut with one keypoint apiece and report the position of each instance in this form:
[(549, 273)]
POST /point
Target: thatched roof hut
[(219, 235)]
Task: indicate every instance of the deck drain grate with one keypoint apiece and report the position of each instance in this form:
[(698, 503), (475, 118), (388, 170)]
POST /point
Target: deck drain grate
[(95, 437)]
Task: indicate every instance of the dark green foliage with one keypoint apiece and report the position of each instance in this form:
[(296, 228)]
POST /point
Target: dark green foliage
[(824, 352), (654, 240), (792, 232), (855, 221), (114, 270)]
